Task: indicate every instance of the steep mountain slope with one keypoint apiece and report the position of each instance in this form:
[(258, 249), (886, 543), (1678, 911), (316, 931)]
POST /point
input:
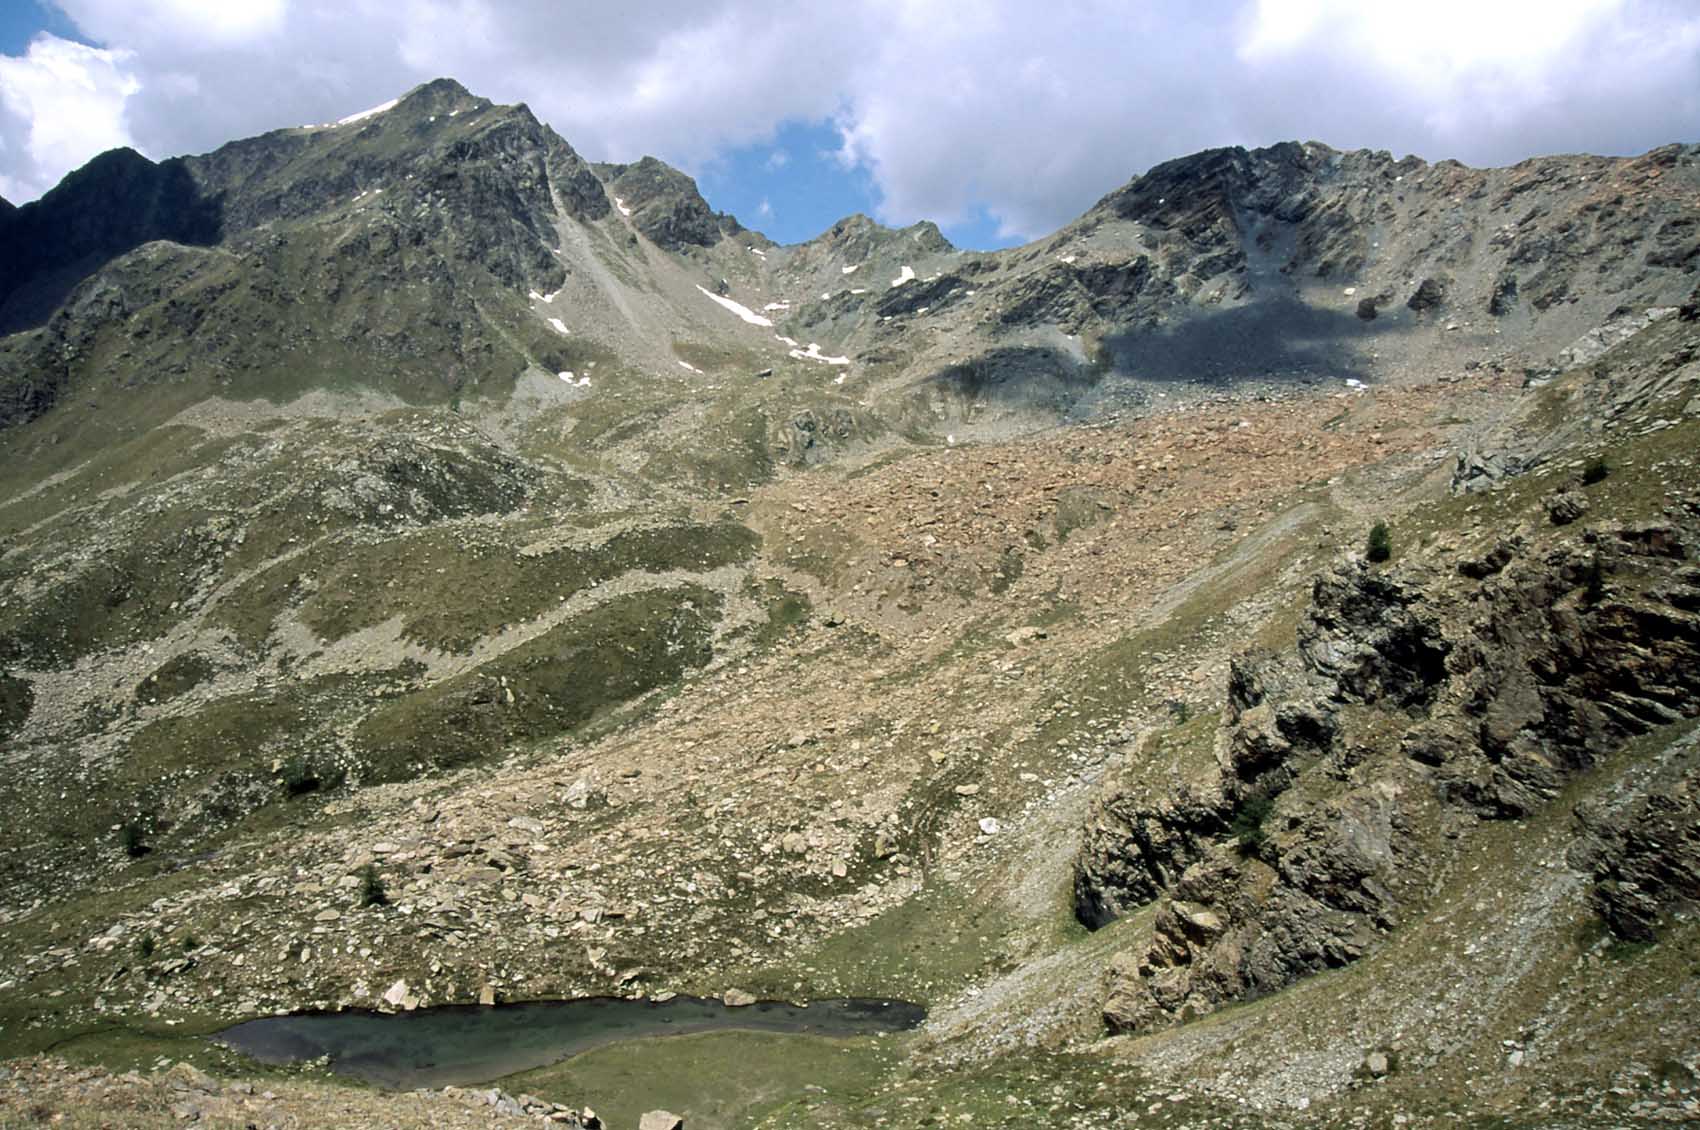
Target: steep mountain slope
[(654, 608)]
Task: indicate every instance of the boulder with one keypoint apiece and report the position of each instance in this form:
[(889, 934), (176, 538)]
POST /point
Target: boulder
[(1565, 507), (1429, 295), (1504, 298), (581, 794), (660, 1120), (738, 998)]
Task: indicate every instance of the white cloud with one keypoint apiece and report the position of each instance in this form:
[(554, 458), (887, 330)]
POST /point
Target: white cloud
[(1483, 82), (62, 103), (203, 25), (1026, 112)]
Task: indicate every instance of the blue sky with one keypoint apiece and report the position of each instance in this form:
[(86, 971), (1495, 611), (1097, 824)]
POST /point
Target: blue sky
[(796, 186), (20, 20), (999, 120)]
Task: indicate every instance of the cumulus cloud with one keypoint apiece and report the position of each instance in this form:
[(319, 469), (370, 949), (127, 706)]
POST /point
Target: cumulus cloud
[(60, 104), (1486, 83), (1024, 112)]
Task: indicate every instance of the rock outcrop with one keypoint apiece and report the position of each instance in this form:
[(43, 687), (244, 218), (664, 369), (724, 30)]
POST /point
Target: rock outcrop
[(1643, 852), (1414, 702), (666, 206)]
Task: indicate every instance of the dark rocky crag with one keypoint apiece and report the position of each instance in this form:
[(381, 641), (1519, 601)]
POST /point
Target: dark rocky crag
[(666, 206), (1414, 704), (205, 266)]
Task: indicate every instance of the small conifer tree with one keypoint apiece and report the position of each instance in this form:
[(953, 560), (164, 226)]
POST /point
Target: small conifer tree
[(372, 891), (1380, 546)]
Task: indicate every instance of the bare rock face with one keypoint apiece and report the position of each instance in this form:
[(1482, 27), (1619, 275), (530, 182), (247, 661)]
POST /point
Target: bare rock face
[(666, 205), (1643, 850), (1414, 697), (1372, 637)]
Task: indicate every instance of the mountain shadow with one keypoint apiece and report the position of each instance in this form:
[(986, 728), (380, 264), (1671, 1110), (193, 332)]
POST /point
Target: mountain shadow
[(1274, 337), (1019, 378)]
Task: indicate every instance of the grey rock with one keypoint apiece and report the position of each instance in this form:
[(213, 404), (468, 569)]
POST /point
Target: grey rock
[(1429, 295), (1565, 507), (582, 795), (1642, 852), (660, 1120)]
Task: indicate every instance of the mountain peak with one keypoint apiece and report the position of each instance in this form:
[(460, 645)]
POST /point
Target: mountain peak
[(441, 96), (665, 204)]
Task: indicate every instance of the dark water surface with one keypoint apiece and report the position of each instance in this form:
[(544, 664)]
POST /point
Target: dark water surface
[(464, 1044)]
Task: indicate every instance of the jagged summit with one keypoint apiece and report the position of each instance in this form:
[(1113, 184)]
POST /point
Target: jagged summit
[(664, 204)]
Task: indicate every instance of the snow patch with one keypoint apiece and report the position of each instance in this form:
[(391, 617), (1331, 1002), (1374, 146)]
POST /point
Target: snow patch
[(1354, 383), (777, 306), (567, 378), (813, 353), (535, 297), (688, 366), (849, 270), (1067, 258), (550, 297), (791, 341), (903, 276), (758, 252), (743, 312), (364, 114), (621, 205), (560, 326)]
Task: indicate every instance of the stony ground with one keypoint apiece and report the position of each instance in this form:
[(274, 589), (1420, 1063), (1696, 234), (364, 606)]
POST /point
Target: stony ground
[(993, 624)]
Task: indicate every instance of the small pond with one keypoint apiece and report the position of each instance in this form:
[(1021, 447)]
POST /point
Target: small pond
[(464, 1044)]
